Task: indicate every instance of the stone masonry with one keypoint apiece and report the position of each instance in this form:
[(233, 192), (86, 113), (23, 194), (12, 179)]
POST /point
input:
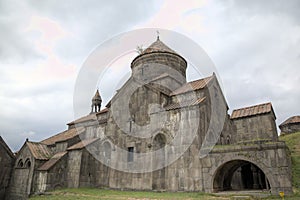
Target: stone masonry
[(162, 133)]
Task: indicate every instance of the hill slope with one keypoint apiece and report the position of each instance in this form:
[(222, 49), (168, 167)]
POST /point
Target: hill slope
[(293, 142)]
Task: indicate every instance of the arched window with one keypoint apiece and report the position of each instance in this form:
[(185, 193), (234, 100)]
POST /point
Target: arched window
[(228, 139), (20, 163), (27, 163), (159, 141)]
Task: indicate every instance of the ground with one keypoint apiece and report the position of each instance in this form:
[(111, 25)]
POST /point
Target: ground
[(292, 140)]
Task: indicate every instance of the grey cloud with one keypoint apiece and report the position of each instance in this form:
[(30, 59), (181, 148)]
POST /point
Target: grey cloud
[(256, 50), (93, 21), (49, 105), (15, 45), (267, 7)]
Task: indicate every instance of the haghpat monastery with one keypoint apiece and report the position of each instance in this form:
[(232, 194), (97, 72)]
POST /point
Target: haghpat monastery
[(176, 145)]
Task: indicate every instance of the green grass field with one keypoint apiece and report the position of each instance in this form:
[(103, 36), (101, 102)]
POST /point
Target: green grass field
[(292, 140), (93, 193)]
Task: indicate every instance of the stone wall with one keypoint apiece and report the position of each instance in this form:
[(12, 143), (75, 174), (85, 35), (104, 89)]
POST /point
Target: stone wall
[(152, 65), (57, 175), (6, 166), (73, 170), (258, 127), (271, 159), (20, 185), (290, 128)]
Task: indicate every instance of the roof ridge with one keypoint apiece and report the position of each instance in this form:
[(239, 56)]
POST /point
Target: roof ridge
[(248, 111), (6, 147), (78, 130), (200, 79), (188, 86), (83, 143), (261, 104), (291, 120)]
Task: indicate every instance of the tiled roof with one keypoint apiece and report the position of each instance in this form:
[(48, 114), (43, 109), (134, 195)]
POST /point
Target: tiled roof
[(192, 86), (39, 151), (184, 104), (63, 136), (5, 146), (158, 46), (83, 144), (53, 160), (90, 117), (252, 110), (291, 120)]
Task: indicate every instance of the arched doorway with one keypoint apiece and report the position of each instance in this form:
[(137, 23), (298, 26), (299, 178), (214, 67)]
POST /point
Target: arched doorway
[(158, 176), (240, 175)]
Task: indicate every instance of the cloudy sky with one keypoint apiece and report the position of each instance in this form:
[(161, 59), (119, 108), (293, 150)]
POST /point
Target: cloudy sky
[(255, 46)]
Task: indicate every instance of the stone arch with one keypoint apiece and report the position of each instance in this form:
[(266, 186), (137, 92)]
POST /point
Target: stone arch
[(241, 174), (27, 163), (20, 163), (159, 141)]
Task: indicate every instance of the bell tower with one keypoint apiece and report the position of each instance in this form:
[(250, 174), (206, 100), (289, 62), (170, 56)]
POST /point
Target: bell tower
[(96, 102)]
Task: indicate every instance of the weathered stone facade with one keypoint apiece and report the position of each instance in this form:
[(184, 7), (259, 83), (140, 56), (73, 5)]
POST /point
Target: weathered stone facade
[(160, 133), (7, 159), (291, 125)]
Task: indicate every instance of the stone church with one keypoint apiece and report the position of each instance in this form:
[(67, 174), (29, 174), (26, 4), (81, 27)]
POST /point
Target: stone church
[(162, 133)]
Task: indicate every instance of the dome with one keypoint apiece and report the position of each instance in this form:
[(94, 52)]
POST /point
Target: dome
[(158, 46), (159, 53)]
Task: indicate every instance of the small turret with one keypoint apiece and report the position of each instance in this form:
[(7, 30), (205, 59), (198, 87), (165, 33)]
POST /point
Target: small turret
[(96, 102)]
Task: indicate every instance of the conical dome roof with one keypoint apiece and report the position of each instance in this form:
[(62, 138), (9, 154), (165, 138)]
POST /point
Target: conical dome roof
[(155, 48), (158, 46)]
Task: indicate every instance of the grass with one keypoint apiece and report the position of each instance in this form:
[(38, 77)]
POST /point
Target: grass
[(94, 193), (102, 194), (292, 140)]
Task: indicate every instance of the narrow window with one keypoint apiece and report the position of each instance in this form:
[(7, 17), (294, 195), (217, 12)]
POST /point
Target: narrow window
[(130, 154)]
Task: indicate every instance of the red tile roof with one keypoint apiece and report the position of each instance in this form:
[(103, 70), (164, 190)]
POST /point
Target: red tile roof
[(39, 151), (252, 110), (90, 117), (53, 160), (184, 104), (192, 86), (291, 120), (63, 136), (82, 144)]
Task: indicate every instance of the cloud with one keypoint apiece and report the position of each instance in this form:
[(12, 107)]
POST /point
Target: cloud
[(43, 44), (256, 46), (15, 43)]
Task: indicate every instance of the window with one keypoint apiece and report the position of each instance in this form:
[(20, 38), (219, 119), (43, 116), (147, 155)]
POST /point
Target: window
[(130, 154), (27, 163), (20, 163)]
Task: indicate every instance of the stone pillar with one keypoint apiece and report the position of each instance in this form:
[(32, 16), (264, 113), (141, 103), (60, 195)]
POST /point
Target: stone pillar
[(255, 177)]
